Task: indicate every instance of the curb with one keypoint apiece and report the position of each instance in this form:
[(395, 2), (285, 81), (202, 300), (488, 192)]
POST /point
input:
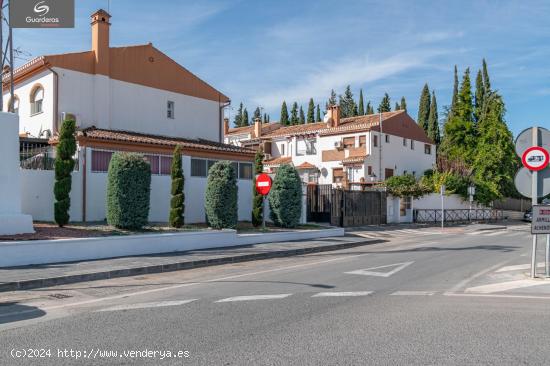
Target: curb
[(170, 267)]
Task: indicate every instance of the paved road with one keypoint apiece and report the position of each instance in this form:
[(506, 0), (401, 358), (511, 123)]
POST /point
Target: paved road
[(421, 297)]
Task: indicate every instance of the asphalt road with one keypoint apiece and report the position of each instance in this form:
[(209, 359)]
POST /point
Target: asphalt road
[(421, 297)]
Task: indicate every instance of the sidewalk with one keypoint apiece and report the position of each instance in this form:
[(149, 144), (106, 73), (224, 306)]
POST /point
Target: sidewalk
[(38, 276)]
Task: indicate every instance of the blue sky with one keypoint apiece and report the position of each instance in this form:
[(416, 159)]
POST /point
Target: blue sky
[(261, 52)]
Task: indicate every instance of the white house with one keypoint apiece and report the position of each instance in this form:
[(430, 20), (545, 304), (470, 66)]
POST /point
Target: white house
[(364, 149), (131, 98)]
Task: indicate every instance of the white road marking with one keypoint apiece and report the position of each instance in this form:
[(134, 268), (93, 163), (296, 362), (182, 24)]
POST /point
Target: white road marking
[(145, 305), (494, 233), (371, 272), (498, 296), (463, 283), (475, 233), (519, 267), (505, 286), (413, 293), (342, 294), (254, 297)]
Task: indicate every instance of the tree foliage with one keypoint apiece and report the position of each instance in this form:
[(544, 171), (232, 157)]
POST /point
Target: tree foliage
[(64, 165), (311, 111), (406, 186), (302, 118), (433, 122), (347, 104), (361, 108), (285, 198), (403, 105), (257, 199), (318, 114), (294, 119), (177, 203), (385, 104), (284, 115), (220, 199), (424, 108), (128, 190)]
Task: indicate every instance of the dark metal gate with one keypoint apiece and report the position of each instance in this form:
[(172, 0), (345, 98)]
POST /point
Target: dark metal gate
[(319, 202), (345, 207)]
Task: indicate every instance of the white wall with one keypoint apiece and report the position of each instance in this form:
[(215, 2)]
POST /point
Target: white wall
[(113, 104), (433, 200), (41, 121)]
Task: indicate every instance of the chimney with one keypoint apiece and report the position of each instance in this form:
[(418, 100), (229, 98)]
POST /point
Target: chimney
[(257, 128), (100, 41), (225, 126), (333, 116)]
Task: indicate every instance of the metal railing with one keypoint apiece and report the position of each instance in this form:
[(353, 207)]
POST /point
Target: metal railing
[(457, 215), (39, 157)]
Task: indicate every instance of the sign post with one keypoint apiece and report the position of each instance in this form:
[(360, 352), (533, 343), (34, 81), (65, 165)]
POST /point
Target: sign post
[(263, 186), (533, 181), (442, 206)]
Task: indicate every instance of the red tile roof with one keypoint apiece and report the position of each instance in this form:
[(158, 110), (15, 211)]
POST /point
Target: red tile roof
[(306, 165), (278, 161), (140, 138), (266, 128)]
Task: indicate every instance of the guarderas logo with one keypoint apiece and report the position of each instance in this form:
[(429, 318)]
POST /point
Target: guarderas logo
[(41, 8)]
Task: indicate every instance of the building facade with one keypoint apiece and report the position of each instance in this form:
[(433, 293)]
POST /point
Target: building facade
[(362, 150)]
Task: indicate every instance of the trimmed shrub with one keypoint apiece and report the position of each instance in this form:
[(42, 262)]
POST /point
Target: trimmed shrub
[(406, 186), (220, 199), (64, 165), (285, 197), (177, 203), (128, 191), (257, 199)]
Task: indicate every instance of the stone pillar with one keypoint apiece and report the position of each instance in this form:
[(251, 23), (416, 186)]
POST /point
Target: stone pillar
[(12, 221)]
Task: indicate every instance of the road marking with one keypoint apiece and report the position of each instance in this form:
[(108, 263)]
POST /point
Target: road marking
[(499, 296), (475, 233), (168, 288), (413, 293), (254, 297), (146, 305), (371, 272), (494, 233), (504, 286), (342, 294), (463, 283), (519, 267)]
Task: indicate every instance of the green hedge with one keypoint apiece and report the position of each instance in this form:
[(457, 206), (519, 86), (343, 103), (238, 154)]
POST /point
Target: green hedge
[(257, 199), (128, 191), (220, 201), (64, 165), (285, 198)]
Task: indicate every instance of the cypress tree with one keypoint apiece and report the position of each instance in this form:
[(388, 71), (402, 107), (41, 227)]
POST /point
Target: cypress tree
[(257, 199), (433, 122), (239, 116), (64, 165), (302, 119), (403, 105), (397, 107), (347, 104), (294, 120), (284, 115), (424, 108), (465, 107), (318, 118), (361, 110), (311, 111), (177, 203), (454, 99), (486, 81), (257, 114), (220, 198), (332, 100), (265, 118), (370, 109), (479, 95), (285, 198), (385, 104), (244, 121)]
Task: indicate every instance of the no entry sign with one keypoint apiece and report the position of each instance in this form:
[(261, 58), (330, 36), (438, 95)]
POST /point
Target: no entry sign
[(535, 158), (263, 184)]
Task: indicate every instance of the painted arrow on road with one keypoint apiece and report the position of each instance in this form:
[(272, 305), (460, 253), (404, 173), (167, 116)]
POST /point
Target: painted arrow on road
[(373, 271)]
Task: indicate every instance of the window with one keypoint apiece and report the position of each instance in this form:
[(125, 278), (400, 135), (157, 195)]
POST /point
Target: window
[(198, 168), (387, 139), (337, 175), (369, 170), (37, 96), (427, 149), (165, 165), (170, 109), (404, 141), (209, 165), (412, 144), (245, 170), (375, 141), (404, 205), (362, 141), (101, 160), (388, 173), (349, 142), (15, 104), (283, 149)]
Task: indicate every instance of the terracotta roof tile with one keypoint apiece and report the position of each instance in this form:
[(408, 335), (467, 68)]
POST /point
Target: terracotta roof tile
[(306, 165), (135, 137), (278, 161), (266, 128)]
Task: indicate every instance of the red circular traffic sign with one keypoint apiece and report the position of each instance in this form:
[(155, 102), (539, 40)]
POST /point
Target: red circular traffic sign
[(535, 158), (263, 184)]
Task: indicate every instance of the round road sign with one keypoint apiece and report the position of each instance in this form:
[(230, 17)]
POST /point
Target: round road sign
[(263, 184), (523, 182), (525, 140), (535, 158)]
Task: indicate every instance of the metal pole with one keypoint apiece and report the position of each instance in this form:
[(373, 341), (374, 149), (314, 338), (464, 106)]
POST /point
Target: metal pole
[(1, 57), (534, 201), (263, 212), (442, 209), (548, 255), (10, 107)]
